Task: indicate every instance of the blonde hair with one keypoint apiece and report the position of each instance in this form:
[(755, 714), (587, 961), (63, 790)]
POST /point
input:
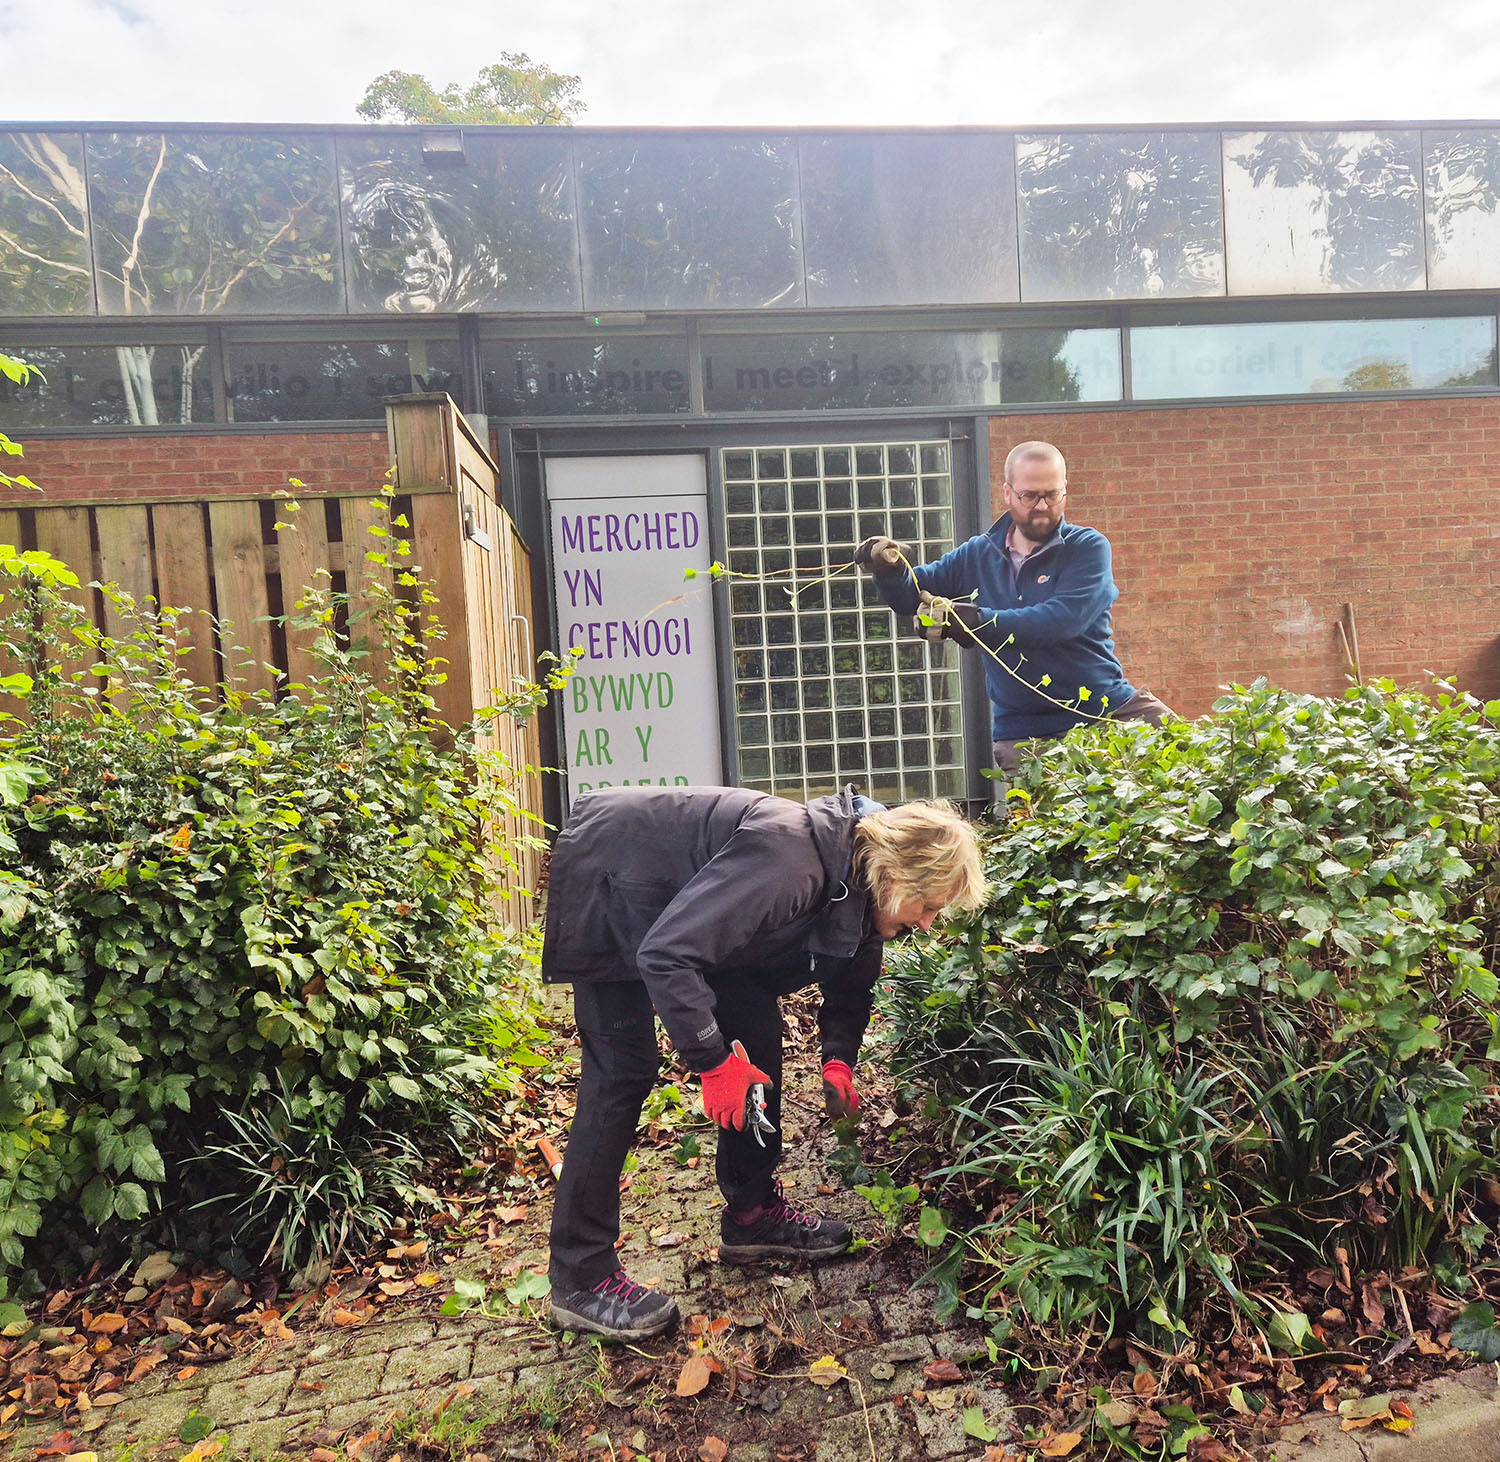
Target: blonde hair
[(920, 850)]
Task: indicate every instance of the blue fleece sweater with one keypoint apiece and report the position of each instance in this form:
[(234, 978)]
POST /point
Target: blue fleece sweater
[(1050, 619)]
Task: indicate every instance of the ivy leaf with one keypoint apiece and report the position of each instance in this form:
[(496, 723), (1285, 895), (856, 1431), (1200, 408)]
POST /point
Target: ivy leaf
[(976, 1426), (1475, 1331)]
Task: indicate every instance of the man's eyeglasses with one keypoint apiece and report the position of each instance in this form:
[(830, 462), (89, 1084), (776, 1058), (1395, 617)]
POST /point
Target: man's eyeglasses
[(1031, 499)]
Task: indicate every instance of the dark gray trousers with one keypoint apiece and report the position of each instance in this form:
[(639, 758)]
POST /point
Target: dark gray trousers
[(1142, 706), (617, 1028)]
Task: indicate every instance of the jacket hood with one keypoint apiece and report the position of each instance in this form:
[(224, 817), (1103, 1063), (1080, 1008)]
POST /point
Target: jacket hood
[(842, 924)]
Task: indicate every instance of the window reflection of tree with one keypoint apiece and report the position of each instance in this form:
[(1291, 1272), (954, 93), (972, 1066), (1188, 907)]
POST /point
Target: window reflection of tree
[(1120, 215), (44, 258), (1366, 205), (196, 225), (682, 224)]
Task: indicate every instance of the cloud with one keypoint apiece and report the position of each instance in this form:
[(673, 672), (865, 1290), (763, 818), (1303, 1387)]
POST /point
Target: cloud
[(780, 63)]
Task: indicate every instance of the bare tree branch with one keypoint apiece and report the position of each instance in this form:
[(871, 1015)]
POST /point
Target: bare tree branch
[(72, 228), (132, 259), (41, 259)]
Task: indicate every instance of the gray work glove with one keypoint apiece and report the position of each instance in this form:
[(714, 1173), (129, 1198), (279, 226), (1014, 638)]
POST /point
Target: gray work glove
[(884, 557), (952, 620)]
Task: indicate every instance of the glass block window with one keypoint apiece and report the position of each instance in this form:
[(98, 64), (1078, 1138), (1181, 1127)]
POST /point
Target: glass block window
[(828, 686)]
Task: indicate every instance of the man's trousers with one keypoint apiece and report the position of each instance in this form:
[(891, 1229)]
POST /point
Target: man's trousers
[(617, 1028)]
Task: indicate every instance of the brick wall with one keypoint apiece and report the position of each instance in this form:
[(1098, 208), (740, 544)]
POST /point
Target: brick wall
[(1239, 532), (228, 464)]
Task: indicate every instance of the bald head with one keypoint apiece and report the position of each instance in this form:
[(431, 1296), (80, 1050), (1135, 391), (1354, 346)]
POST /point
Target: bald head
[(1034, 452)]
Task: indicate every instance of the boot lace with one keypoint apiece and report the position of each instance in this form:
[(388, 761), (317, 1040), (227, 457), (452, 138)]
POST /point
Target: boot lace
[(783, 1212), (620, 1283)]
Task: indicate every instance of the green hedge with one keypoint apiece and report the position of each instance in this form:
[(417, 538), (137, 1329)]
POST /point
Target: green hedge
[(1230, 1009), (246, 954)]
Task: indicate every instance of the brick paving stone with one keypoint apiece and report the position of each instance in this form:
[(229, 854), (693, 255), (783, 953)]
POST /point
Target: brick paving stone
[(845, 1279), (846, 1437), (243, 1400), (436, 1363), (269, 1437), (844, 1325), (388, 1335), (943, 1432), (963, 1345), (332, 1382), (358, 1417), (500, 1352), (908, 1312), (906, 1356)]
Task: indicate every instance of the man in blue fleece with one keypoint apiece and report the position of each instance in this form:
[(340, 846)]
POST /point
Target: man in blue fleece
[(1037, 591)]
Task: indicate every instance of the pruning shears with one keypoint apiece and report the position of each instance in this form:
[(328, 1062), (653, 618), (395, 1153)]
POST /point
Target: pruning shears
[(756, 1121)]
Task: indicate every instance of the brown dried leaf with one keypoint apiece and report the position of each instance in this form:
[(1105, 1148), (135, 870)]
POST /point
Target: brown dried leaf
[(713, 1450), (107, 1324), (146, 1364), (694, 1375), (1061, 1445), (348, 1317), (1143, 1383), (942, 1372)]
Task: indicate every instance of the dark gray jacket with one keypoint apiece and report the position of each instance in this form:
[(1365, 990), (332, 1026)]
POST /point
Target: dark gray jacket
[(682, 887)]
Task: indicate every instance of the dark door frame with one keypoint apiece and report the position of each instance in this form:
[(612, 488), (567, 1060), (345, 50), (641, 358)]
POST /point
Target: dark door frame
[(523, 451)]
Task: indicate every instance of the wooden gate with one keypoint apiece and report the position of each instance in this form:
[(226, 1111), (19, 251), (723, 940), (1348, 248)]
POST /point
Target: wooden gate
[(225, 556)]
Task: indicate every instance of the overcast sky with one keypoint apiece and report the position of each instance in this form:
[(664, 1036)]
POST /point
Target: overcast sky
[(767, 62)]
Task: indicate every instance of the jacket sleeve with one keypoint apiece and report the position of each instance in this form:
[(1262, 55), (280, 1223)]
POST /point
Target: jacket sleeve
[(754, 884), (950, 576), (845, 1010), (1088, 592)]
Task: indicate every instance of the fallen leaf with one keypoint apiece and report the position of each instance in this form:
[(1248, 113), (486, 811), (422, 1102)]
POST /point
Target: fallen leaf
[(1366, 1407), (713, 1450), (1061, 1445), (945, 1372), (826, 1371), (202, 1452), (107, 1324), (358, 1444), (83, 1457), (309, 1385), (512, 1215), (1143, 1383), (324, 1454), (60, 1445), (187, 1373), (694, 1375), (349, 1317), (145, 1365), (395, 1287), (1117, 1413), (110, 1398), (1398, 1423), (427, 1280)]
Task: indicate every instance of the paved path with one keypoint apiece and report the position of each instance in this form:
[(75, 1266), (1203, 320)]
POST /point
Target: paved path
[(547, 1396)]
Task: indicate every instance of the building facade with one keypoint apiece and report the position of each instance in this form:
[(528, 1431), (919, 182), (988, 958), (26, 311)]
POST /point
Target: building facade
[(1269, 356)]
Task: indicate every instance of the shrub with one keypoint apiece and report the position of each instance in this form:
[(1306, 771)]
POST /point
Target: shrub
[(1230, 1005), (227, 925)]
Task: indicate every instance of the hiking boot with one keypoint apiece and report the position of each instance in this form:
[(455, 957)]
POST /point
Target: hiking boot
[(615, 1307), (782, 1232)]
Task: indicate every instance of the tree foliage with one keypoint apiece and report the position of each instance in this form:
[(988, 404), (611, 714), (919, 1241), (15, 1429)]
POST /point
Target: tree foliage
[(515, 90)]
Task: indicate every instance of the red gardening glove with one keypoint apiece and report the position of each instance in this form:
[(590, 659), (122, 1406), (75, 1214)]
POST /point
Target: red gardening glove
[(726, 1087), (839, 1096)]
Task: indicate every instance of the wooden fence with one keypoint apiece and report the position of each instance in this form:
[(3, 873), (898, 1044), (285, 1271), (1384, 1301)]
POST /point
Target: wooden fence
[(225, 556)]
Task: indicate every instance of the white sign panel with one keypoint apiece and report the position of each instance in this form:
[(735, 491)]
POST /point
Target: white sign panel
[(642, 708)]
